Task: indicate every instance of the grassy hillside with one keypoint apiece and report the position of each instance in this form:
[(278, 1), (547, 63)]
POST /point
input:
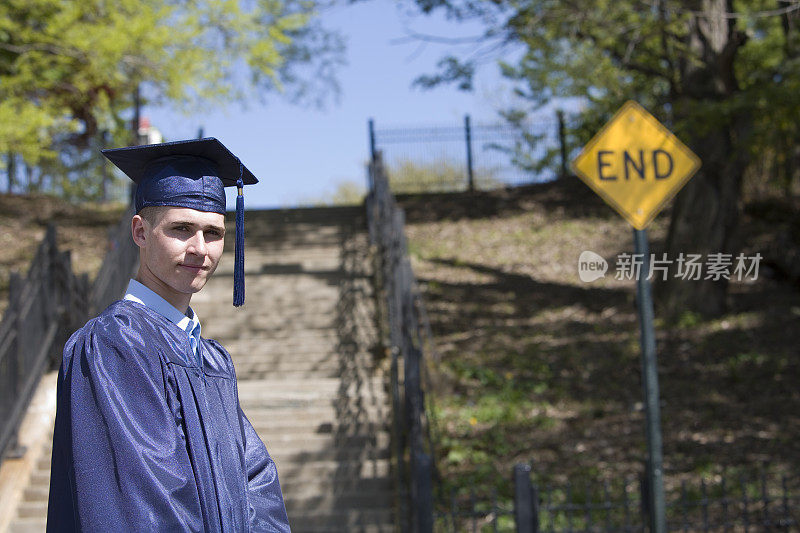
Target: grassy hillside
[(80, 228), (536, 366)]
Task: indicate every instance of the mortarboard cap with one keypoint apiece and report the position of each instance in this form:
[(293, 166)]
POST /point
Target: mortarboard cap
[(189, 174)]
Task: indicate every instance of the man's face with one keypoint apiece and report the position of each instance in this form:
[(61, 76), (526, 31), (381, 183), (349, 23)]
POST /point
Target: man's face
[(180, 250)]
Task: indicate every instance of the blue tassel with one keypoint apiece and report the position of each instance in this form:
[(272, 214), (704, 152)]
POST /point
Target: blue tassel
[(238, 265)]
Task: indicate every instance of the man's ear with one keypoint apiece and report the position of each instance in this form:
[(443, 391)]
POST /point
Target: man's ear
[(139, 230)]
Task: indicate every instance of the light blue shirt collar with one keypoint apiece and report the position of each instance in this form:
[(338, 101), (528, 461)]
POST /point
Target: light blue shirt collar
[(137, 292)]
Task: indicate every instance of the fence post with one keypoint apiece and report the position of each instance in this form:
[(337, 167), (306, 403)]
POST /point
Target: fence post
[(66, 311), (371, 128), (562, 141), (644, 497), (524, 517), (468, 134), (424, 466), (13, 449)]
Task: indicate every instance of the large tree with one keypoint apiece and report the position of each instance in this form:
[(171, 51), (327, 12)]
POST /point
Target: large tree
[(70, 69), (722, 74)]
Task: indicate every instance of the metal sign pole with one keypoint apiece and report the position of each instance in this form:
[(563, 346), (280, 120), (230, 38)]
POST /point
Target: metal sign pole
[(655, 472)]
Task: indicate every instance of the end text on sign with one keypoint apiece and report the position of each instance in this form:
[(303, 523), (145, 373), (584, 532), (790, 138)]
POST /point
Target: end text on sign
[(613, 165)]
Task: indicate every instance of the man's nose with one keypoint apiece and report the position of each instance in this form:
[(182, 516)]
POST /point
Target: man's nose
[(197, 244)]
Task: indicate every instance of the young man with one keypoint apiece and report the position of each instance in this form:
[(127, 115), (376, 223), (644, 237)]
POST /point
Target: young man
[(149, 434)]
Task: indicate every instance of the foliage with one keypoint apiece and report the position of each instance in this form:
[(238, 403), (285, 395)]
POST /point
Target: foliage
[(608, 52), (69, 71), (721, 74)]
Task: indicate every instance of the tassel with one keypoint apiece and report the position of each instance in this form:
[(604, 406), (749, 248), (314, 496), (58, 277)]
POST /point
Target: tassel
[(238, 265)]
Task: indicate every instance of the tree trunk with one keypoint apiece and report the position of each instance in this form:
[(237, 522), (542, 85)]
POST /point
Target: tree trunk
[(706, 212), (11, 170)]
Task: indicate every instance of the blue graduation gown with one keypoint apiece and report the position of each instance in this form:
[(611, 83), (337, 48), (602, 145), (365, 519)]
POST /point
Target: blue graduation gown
[(145, 441)]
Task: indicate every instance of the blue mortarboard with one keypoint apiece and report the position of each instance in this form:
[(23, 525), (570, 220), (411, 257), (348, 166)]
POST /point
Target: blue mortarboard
[(189, 174)]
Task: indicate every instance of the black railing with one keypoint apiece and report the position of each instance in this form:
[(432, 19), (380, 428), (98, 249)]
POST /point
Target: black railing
[(764, 502), (118, 265), (471, 157), (404, 336), (43, 309), (36, 319)]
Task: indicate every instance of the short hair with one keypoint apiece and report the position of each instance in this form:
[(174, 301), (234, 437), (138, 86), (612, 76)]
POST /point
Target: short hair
[(152, 214)]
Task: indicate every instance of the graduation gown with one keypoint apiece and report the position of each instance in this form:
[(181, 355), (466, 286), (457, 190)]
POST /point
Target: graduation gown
[(145, 441)]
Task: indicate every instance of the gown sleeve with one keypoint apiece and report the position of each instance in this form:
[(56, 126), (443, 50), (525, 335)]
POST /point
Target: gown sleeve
[(265, 500), (119, 457)]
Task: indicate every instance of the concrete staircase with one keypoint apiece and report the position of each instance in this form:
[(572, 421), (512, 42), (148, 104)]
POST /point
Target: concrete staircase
[(309, 381)]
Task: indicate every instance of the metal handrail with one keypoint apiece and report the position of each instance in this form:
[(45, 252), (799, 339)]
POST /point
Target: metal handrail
[(399, 305), (44, 309)]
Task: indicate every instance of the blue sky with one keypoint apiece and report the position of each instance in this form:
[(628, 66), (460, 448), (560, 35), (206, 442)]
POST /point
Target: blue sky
[(300, 153)]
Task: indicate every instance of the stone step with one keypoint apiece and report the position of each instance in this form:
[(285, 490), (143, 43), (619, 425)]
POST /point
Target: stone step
[(286, 457), (338, 440), (315, 442), (343, 410), (41, 478), (43, 463), (333, 485), (350, 520), (35, 493), (329, 272), (272, 425), (274, 407), (285, 327), (307, 505), (297, 429), (37, 509), (299, 359), (297, 295), (284, 367), (28, 525), (269, 400), (313, 267), (313, 408), (264, 344), (329, 387), (288, 374), (302, 316), (319, 471)]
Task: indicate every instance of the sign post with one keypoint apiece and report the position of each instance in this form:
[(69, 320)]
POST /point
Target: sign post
[(655, 470), (636, 165)]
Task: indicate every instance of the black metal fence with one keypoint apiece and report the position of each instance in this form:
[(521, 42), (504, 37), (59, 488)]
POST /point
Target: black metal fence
[(473, 156), (404, 337), (43, 309), (118, 265), (765, 502), (38, 313)]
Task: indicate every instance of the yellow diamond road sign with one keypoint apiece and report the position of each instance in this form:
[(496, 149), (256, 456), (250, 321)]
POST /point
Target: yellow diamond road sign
[(635, 164)]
